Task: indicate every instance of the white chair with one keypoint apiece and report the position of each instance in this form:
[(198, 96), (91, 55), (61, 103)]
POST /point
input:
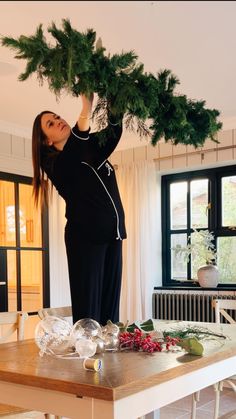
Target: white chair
[(12, 325), (65, 312), (221, 306), (11, 322)]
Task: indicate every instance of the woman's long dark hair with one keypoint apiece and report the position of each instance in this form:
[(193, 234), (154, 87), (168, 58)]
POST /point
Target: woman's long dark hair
[(40, 179)]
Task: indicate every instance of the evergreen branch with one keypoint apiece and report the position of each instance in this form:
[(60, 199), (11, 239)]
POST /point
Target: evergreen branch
[(60, 36), (132, 123), (73, 64), (198, 332), (100, 114), (123, 62)]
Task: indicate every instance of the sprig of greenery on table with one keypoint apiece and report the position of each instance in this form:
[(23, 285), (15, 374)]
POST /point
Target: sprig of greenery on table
[(190, 331), (188, 337), (146, 326)]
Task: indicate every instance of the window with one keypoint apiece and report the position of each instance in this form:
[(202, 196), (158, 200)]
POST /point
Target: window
[(204, 199), (24, 267)]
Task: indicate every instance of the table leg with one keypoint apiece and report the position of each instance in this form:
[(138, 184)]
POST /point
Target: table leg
[(152, 415)]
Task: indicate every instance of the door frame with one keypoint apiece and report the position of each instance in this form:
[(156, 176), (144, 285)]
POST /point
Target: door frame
[(18, 179)]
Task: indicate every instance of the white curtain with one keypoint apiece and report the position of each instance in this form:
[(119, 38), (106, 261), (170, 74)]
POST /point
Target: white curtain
[(59, 279), (140, 194)]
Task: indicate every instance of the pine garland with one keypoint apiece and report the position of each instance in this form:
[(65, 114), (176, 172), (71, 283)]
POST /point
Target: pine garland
[(148, 102)]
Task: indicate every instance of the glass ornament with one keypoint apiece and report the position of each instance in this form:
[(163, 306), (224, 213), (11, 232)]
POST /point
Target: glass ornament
[(100, 344), (85, 347), (111, 342), (91, 327), (52, 335), (111, 328), (77, 333)]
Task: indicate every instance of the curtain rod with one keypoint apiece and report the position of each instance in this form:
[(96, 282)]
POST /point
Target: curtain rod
[(202, 152)]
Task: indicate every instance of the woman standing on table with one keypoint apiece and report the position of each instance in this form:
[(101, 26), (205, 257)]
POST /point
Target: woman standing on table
[(77, 166)]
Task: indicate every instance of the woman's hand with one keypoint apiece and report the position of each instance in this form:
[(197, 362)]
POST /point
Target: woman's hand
[(87, 104), (84, 118)]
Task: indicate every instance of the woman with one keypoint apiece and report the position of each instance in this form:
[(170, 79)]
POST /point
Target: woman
[(77, 166)]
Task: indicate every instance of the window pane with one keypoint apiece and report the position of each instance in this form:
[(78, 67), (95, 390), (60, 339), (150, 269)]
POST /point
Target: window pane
[(7, 214), (11, 278), (226, 261), (228, 201), (178, 263), (178, 205), (197, 259), (199, 202), (31, 280), (30, 218)]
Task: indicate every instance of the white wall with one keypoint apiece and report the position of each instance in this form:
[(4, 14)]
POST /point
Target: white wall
[(15, 154), (15, 157), (180, 158), (170, 159)]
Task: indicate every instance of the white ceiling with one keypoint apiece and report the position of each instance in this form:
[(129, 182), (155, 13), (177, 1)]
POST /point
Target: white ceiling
[(196, 40)]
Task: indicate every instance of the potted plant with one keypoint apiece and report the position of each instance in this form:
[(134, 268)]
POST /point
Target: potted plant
[(200, 245)]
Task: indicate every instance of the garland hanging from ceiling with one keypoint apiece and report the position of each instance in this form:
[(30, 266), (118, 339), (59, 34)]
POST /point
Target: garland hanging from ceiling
[(77, 64)]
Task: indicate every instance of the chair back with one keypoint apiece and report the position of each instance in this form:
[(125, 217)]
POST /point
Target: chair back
[(14, 322), (55, 311), (221, 306)]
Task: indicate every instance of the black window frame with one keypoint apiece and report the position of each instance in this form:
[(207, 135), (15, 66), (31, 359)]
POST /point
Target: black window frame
[(17, 180), (214, 218)]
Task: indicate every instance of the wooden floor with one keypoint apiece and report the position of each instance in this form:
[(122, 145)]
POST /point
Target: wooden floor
[(178, 410)]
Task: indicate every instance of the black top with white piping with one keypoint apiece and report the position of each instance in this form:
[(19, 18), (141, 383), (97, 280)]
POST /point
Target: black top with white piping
[(86, 180)]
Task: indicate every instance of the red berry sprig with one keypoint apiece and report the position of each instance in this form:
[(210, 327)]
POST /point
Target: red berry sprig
[(139, 341)]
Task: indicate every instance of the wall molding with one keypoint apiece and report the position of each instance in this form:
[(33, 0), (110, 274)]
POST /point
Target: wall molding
[(15, 129)]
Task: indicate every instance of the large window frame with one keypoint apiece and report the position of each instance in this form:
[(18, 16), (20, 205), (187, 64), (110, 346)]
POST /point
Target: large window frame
[(17, 180), (214, 218)]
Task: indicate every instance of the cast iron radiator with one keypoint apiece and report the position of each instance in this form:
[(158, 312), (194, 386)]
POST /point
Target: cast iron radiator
[(188, 307)]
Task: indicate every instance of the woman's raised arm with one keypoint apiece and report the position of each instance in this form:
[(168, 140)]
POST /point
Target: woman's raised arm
[(85, 114)]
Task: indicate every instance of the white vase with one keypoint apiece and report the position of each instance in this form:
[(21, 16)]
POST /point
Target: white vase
[(208, 276)]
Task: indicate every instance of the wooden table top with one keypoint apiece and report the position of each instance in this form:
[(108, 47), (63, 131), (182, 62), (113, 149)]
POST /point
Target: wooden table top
[(123, 373)]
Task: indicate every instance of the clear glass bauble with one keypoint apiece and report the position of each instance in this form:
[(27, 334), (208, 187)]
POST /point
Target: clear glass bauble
[(77, 333), (111, 328), (100, 344), (90, 328), (85, 347), (52, 335), (111, 342)]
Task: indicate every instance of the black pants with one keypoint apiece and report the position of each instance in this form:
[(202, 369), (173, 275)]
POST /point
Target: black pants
[(95, 272)]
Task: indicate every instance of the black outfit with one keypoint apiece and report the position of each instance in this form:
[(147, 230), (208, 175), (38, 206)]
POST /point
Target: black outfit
[(95, 221)]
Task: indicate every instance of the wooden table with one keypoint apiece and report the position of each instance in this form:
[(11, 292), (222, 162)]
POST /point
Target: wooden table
[(130, 384)]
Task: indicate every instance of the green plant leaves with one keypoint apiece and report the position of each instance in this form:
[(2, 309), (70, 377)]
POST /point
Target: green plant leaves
[(147, 102)]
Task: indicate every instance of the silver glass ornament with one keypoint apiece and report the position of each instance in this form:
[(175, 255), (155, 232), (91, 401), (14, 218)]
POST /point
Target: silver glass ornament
[(111, 328), (91, 327), (52, 335), (100, 344), (111, 342), (85, 347)]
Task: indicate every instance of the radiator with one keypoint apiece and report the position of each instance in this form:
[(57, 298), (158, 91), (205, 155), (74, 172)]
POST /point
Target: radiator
[(188, 307)]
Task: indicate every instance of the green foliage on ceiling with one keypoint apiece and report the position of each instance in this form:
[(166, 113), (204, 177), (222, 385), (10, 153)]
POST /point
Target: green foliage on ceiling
[(77, 64)]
